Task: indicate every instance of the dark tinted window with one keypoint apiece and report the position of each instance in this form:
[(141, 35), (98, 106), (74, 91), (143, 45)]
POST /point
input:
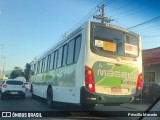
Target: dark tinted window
[(55, 59), (45, 63), (77, 48), (14, 82), (64, 54), (60, 52), (52, 61), (32, 69), (35, 70), (70, 55), (111, 41), (38, 67), (48, 62)]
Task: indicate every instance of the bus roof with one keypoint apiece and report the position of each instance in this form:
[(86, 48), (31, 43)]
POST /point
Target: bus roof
[(76, 31)]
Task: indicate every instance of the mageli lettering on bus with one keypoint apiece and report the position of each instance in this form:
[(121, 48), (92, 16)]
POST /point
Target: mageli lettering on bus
[(110, 73)]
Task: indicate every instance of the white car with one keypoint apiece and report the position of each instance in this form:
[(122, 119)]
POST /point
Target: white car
[(13, 87), (1, 83)]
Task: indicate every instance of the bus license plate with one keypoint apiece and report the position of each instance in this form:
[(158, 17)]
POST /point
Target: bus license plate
[(116, 90), (13, 92)]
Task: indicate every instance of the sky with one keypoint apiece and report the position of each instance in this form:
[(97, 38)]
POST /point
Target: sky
[(30, 27)]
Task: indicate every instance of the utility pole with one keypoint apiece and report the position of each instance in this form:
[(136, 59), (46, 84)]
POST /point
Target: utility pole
[(3, 67), (1, 71), (1, 61), (102, 17)]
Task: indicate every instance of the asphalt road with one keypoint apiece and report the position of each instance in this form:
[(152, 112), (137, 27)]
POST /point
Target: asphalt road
[(61, 110)]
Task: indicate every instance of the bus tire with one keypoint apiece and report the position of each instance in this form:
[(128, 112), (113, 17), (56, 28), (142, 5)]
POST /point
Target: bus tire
[(50, 98), (89, 106)]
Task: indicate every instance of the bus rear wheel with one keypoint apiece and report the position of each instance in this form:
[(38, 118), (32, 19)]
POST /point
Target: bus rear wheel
[(50, 98)]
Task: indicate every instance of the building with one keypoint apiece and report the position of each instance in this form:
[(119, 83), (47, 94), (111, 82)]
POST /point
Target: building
[(151, 65)]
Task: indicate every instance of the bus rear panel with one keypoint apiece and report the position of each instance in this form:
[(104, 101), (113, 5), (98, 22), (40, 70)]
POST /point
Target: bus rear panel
[(113, 67)]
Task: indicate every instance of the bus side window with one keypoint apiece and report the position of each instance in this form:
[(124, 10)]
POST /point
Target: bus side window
[(60, 53), (43, 62), (52, 61), (35, 72), (64, 55), (55, 59), (38, 66), (70, 52), (48, 62), (77, 48), (31, 72)]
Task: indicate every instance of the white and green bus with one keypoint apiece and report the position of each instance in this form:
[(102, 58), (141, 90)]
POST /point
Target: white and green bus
[(95, 64)]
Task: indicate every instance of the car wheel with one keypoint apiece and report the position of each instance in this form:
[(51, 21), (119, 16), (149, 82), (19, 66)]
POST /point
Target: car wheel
[(50, 98)]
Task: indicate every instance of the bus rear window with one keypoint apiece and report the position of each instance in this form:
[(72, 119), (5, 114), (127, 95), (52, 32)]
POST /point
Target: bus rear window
[(111, 41)]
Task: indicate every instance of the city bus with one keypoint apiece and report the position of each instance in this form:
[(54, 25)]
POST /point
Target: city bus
[(95, 64)]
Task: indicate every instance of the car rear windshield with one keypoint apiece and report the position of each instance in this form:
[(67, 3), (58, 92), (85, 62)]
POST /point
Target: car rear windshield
[(14, 82)]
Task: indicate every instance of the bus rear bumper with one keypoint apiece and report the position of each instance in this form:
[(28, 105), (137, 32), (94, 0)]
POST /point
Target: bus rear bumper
[(97, 98)]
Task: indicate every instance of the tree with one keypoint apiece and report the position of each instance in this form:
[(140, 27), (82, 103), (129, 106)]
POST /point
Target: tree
[(16, 73), (27, 72)]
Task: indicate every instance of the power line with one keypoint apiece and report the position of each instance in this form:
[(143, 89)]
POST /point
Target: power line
[(95, 9), (136, 9), (110, 2), (152, 42), (102, 17), (146, 22), (91, 13), (123, 6), (152, 36), (128, 11)]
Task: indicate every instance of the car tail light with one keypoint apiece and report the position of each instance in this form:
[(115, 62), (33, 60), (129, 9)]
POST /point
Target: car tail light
[(139, 84), (4, 85), (23, 86), (89, 79)]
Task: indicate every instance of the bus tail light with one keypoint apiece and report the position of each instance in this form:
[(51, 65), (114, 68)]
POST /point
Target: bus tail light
[(139, 84), (4, 85), (89, 79)]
